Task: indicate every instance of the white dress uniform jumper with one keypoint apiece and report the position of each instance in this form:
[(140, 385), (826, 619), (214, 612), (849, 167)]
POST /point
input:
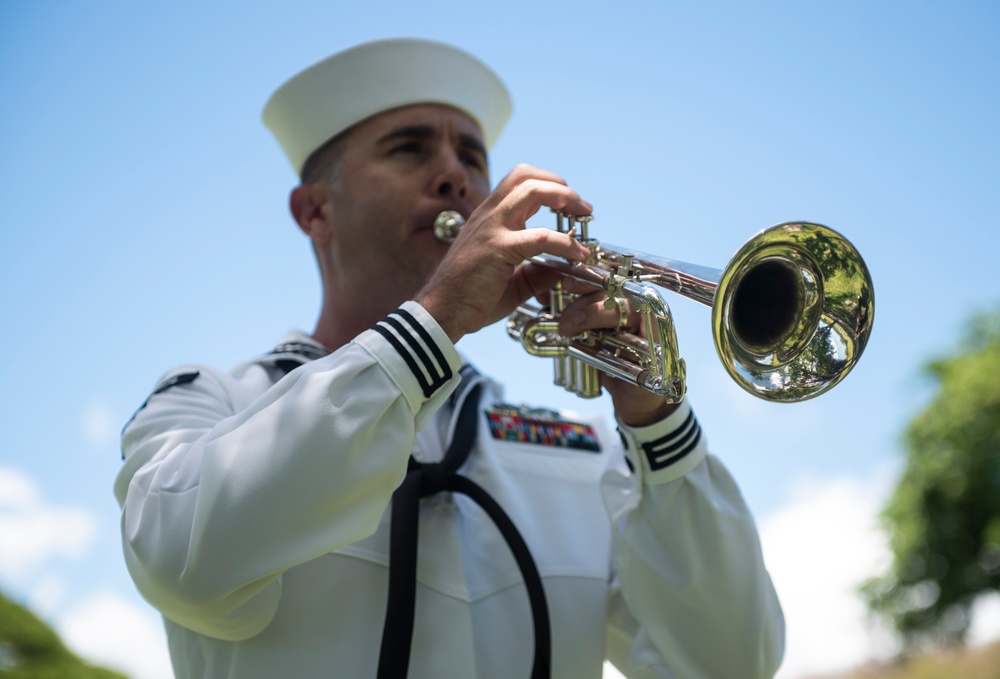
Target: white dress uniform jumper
[(259, 506)]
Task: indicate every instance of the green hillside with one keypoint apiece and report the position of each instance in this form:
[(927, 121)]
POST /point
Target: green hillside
[(29, 649)]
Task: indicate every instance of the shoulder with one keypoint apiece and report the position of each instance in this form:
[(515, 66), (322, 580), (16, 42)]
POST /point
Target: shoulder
[(184, 381)]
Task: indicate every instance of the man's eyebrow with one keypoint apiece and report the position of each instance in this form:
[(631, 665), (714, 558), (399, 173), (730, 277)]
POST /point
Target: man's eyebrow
[(471, 142), (409, 132), (468, 141)]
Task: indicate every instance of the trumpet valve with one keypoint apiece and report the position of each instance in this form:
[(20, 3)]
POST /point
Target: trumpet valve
[(613, 283), (625, 269)]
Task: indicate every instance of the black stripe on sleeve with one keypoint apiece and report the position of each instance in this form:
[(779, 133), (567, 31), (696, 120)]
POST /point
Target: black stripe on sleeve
[(426, 336), (430, 372), (675, 446)]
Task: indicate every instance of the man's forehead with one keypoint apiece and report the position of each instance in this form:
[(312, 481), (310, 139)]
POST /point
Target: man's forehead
[(435, 117)]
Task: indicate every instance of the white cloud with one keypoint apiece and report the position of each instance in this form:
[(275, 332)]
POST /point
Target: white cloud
[(33, 533), (37, 539), (109, 630), (985, 619), (819, 548), (16, 490)]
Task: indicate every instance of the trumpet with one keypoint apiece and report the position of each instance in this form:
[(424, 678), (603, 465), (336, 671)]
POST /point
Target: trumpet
[(791, 312)]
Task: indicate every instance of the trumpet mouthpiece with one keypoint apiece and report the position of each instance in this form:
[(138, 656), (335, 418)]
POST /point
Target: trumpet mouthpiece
[(447, 225)]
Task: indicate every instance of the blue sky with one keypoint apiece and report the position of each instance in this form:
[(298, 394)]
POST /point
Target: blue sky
[(144, 225)]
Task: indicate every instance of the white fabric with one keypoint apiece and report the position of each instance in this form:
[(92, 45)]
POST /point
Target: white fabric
[(332, 95), (254, 517)]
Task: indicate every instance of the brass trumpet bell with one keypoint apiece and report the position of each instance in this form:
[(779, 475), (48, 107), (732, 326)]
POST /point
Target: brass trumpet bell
[(792, 312)]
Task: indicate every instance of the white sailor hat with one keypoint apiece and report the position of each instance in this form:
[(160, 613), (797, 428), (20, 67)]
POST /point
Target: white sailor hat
[(327, 98)]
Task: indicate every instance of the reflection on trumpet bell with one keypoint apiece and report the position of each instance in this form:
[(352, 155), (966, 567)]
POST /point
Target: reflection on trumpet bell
[(791, 313)]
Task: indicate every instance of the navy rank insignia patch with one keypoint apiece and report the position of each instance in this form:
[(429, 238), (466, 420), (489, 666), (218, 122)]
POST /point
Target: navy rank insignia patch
[(541, 426)]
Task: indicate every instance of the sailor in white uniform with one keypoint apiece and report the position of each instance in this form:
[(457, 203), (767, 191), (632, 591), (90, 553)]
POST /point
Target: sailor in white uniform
[(360, 502)]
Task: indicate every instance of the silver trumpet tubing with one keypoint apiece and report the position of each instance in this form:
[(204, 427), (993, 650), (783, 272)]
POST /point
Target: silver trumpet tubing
[(791, 312)]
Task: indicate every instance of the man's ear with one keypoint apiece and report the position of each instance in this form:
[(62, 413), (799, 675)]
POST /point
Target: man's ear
[(310, 207)]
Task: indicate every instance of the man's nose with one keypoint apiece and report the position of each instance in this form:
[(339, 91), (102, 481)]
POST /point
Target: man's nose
[(452, 178)]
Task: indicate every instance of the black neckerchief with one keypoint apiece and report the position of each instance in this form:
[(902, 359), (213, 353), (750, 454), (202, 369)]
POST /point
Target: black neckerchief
[(424, 480)]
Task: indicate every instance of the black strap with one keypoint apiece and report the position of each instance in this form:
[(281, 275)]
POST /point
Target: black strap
[(423, 480)]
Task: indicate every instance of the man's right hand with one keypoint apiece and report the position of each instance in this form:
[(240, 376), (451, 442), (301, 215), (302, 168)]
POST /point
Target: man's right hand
[(484, 276)]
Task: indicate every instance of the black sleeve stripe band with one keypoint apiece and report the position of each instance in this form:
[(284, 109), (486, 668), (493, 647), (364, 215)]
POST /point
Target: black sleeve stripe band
[(406, 357), (661, 447), (440, 372), (667, 460), (673, 447), (665, 441), (426, 336), (433, 375), (431, 369)]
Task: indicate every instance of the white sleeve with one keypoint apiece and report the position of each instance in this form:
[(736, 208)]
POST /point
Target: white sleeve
[(218, 499), (696, 601)]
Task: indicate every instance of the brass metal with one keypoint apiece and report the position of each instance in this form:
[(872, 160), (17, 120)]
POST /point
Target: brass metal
[(791, 313)]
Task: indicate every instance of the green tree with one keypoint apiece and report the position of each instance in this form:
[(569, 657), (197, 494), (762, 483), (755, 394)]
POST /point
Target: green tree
[(944, 516), (29, 649)]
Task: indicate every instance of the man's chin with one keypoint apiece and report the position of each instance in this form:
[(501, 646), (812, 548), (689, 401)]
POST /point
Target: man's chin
[(428, 253)]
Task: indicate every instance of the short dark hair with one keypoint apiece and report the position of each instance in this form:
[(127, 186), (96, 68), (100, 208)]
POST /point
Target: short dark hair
[(324, 162)]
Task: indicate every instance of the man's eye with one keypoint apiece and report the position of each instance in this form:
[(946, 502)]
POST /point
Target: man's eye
[(408, 147), (474, 161)]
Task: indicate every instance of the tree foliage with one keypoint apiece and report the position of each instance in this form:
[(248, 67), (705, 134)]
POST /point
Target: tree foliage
[(944, 516), (29, 649)]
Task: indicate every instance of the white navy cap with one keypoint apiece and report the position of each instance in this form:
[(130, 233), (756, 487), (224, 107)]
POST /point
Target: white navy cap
[(327, 98)]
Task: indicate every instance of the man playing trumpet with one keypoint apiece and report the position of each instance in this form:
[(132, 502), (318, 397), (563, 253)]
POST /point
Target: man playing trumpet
[(359, 502)]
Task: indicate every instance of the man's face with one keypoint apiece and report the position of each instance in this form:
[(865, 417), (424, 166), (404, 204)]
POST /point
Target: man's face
[(398, 170)]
